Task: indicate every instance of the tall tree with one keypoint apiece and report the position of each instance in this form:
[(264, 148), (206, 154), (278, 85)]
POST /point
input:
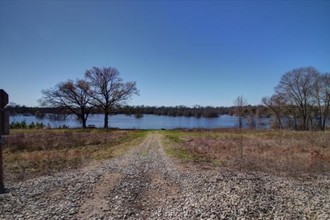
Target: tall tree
[(72, 95), (109, 90), (321, 93), (296, 88)]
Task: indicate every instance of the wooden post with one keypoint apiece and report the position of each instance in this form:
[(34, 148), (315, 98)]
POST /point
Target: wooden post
[(2, 185), (4, 130)]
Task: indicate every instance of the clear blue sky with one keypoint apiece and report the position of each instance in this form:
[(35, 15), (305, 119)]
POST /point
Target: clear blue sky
[(178, 52)]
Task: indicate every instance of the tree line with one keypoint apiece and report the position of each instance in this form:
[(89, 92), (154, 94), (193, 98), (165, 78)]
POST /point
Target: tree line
[(138, 111), (195, 111)]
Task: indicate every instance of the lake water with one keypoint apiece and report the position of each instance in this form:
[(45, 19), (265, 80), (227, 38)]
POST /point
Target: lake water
[(146, 122)]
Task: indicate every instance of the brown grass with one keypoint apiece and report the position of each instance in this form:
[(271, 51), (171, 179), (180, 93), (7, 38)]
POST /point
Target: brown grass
[(32, 153), (278, 152)]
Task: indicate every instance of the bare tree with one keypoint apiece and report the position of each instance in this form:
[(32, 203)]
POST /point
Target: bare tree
[(296, 87), (109, 90), (275, 104), (251, 117), (321, 93), (239, 105), (72, 95)]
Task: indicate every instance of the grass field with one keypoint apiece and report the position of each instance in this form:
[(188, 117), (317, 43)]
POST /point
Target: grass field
[(29, 153), (284, 153)]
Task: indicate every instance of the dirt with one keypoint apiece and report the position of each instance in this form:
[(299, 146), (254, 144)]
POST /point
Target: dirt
[(138, 187), (97, 201)]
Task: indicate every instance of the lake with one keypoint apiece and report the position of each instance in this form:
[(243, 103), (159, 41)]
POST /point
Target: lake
[(146, 122)]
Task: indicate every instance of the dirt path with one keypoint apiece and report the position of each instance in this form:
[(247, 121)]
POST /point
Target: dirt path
[(146, 184), (137, 189)]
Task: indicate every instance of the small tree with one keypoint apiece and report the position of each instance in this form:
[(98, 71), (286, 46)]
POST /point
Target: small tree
[(252, 117), (276, 104), (239, 105), (109, 90), (71, 95)]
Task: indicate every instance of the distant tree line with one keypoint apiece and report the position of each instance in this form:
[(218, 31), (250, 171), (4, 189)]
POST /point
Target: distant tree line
[(40, 112), (196, 111), (139, 111)]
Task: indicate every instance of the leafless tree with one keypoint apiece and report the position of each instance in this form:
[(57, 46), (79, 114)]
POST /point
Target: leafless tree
[(239, 105), (251, 116), (321, 93), (275, 104), (296, 88), (109, 90), (73, 95)]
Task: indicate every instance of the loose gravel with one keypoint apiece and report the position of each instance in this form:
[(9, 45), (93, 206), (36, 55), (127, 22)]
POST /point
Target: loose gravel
[(146, 184)]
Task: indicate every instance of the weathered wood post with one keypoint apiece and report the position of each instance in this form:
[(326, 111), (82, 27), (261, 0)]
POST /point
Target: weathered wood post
[(4, 130)]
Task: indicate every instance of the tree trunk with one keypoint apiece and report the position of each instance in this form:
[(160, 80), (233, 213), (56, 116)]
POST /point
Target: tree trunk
[(240, 121), (82, 117), (295, 123), (279, 121), (106, 120), (304, 122), (84, 122), (323, 124), (324, 120)]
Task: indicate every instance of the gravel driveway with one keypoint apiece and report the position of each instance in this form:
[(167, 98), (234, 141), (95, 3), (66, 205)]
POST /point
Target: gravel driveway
[(146, 184)]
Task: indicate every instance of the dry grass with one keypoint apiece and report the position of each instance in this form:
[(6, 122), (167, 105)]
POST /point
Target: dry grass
[(277, 152), (32, 153)]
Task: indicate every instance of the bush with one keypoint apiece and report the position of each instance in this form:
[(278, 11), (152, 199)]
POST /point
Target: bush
[(17, 125), (23, 125)]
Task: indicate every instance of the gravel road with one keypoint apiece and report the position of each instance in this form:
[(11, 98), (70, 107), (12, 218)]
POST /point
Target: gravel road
[(146, 184)]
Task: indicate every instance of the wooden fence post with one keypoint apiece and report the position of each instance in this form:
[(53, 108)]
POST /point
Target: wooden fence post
[(4, 130)]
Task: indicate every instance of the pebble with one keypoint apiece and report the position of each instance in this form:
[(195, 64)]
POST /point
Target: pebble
[(155, 186)]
